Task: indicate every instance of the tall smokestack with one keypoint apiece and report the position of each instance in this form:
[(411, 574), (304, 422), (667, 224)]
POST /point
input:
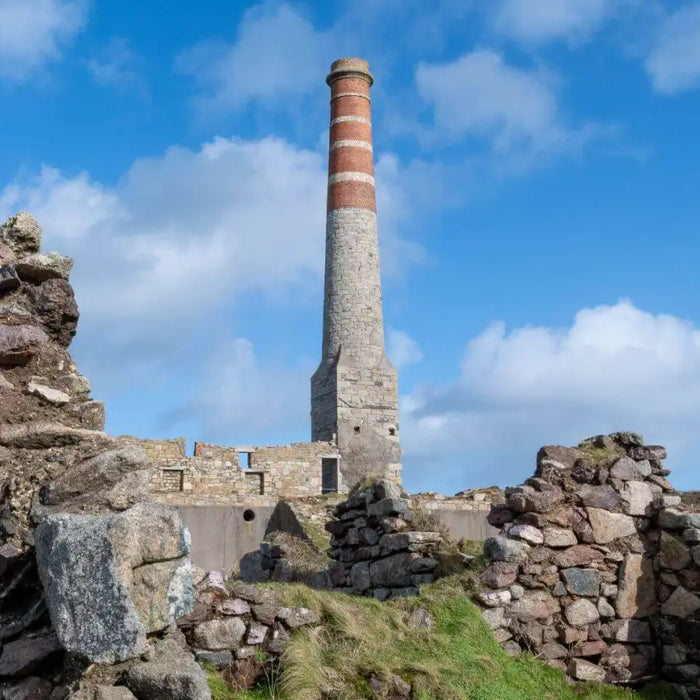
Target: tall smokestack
[(354, 394)]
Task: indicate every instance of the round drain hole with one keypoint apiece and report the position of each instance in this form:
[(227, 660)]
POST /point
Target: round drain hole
[(248, 515)]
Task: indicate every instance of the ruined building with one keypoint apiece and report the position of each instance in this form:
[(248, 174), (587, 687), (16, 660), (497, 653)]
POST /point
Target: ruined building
[(354, 395)]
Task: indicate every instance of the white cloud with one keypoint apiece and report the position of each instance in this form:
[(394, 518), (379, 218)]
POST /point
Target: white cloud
[(616, 368), (480, 96), (402, 349), (176, 241), (239, 399), (674, 61), (277, 53), (115, 65), (542, 20), (32, 32)]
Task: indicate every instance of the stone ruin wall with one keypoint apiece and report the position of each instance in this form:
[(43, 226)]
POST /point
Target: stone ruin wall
[(596, 566), (214, 475), (374, 547)]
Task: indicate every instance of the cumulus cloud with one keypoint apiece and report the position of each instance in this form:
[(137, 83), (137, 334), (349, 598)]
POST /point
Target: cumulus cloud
[(479, 95), (537, 21), (402, 349), (674, 60), (33, 32), (277, 53), (615, 368), (180, 237)]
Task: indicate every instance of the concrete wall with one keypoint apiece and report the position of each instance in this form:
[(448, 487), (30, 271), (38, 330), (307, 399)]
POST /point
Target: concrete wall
[(465, 524), (220, 535)]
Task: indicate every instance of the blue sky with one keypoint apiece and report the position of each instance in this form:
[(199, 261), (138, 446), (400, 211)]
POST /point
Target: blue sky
[(537, 174)]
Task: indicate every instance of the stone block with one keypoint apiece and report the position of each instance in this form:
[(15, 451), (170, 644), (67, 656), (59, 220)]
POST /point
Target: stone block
[(27, 655), (218, 634), (527, 533), (608, 526), (558, 537), (681, 603), (534, 605), (499, 574), (392, 571), (582, 612), (388, 507), (583, 582), (9, 281), (19, 344), (637, 498), (673, 554), (636, 595), (585, 671), (503, 549), (635, 631)]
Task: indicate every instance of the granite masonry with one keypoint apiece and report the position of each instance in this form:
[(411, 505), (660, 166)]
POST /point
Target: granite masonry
[(595, 568), (375, 549)]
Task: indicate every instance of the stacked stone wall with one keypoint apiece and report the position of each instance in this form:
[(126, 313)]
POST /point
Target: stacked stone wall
[(596, 566), (375, 551), (214, 476), (230, 627)]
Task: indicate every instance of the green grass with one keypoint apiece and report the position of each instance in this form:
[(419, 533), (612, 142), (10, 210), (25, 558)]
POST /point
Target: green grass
[(459, 659), (602, 456), (315, 532)]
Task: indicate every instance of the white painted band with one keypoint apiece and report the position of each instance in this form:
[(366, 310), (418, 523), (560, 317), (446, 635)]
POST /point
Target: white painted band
[(351, 143), (351, 177), (340, 120), (350, 94)]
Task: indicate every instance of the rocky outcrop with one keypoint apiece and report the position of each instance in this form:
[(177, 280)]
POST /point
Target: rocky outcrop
[(375, 549), (593, 568), (89, 565)]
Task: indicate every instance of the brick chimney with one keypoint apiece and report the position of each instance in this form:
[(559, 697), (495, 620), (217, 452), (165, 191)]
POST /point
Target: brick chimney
[(354, 393)]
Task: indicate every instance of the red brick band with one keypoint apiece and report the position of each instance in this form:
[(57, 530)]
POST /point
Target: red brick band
[(350, 161)]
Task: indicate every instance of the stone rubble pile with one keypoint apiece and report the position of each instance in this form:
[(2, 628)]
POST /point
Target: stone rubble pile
[(91, 571), (374, 548), (595, 568), (240, 630)]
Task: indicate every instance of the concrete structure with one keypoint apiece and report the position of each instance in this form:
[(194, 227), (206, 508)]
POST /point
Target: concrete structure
[(354, 392)]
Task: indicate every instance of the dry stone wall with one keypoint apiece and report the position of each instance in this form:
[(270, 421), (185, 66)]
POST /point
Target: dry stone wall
[(595, 567), (240, 629), (375, 551)]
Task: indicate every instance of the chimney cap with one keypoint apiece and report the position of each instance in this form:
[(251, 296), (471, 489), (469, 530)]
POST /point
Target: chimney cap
[(350, 68)]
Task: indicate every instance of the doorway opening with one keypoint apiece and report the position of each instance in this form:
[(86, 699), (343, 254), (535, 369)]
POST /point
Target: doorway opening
[(329, 475)]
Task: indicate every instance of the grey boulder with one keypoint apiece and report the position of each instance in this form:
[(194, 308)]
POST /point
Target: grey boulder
[(110, 580)]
